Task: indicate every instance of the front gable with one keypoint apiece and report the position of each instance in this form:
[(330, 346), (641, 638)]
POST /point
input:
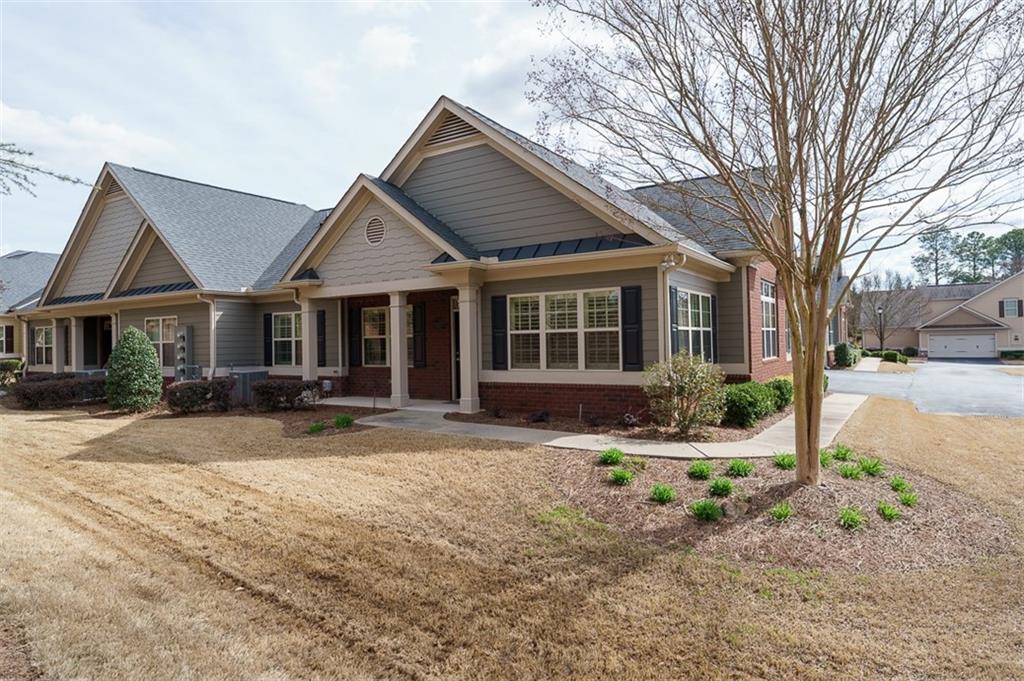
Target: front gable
[(987, 302), (150, 266), (961, 317)]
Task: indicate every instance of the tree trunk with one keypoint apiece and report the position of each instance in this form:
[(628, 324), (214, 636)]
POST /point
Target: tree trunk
[(808, 394)]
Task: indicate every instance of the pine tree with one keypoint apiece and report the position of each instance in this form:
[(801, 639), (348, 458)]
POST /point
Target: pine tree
[(934, 263)]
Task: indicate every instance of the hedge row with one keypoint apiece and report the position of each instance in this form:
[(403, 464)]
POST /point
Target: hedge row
[(277, 394), (748, 403), (59, 392), (185, 397)]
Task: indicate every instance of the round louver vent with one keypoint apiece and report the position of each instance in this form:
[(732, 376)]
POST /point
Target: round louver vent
[(375, 231)]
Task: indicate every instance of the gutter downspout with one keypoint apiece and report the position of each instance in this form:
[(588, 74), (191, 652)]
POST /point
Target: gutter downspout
[(667, 265), (212, 302)]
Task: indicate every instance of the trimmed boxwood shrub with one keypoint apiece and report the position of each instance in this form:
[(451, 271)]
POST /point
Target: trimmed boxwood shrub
[(910, 351), (134, 381), (847, 355), (189, 396), (59, 392), (277, 394), (747, 403), (893, 356), (782, 391), (59, 376), (1011, 354)]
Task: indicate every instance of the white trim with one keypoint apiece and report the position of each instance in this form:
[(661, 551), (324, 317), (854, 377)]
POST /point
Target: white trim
[(386, 336), (161, 342), (366, 231), (293, 339), (377, 288), (772, 300), (688, 327)]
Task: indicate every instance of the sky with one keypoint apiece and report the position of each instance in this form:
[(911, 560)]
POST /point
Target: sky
[(290, 100)]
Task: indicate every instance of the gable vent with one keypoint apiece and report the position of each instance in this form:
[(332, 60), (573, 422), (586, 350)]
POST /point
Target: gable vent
[(375, 231), (451, 128), (113, 188)]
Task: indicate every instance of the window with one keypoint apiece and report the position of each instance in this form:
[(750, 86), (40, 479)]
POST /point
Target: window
[(3, 339), (410, 349), (1010, 308), (287, 339), (769, 321), (375, 336), (789, 339), (693, 324), (833, 329), (161, 333), (44, 345), (567, 330)]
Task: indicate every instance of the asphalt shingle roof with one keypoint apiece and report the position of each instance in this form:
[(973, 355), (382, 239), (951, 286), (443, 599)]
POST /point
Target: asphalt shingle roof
[(229, 239), (439, 228), (23, 275)]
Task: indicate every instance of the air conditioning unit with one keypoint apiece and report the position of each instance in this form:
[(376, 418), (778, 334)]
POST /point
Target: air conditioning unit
[(244, 378), (184, 367)]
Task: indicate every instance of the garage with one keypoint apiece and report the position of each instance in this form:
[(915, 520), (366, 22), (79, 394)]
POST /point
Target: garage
[(963, 346)]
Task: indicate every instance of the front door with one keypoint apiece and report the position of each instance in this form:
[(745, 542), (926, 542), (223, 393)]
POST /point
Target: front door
[(456, 372)]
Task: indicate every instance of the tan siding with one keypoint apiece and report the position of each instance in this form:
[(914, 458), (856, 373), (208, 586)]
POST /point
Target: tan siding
[(646, 278), (196, 315), (159, 267), (492, 202), (19, 331), (402, 254), (115, 228), (988, 304)]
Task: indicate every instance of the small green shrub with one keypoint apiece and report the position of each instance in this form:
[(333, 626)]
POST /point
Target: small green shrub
[(706, 510), (890, 356), (748, 403), (910, 351), (343, 421), (662, 493), (850, 518), (720, 487), (825, 457), (739, 468), (842, 453), (316, 427), (850, 471), (621, 476), (700, 470), (888, 512), (786, 461), (908, 499), (134, 379), (872, 467), (846, 355), (1011, 354), (780, 512), (611, 457), (898, 484), (635, 463), (782, 392), (685, 392)]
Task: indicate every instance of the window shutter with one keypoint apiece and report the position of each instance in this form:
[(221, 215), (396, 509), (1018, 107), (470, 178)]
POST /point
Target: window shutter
[(419, 335), (268, 339), (1020, 307), (499, 332), (9, 339), (1002, 309), (355, 337), (321, 338), (673, 315), (632, 330), (714, 329)]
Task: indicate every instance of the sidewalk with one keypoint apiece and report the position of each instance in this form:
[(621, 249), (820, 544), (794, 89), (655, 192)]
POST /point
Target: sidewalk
[(836, 410), (868, 364)]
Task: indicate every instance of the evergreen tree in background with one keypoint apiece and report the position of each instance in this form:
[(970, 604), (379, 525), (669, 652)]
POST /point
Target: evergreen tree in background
[(972, 255), (935, 263), (1010, 251)]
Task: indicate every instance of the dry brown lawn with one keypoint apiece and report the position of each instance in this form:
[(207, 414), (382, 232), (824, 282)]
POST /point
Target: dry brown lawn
[(1013, 371), (216, 548), (895, 368)]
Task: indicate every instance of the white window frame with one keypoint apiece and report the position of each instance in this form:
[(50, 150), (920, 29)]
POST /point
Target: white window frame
[(386, 336), (294, 339), (772, 302), (688, 326), (1006, 307), (4, 350), (581, 330), (44, 346), (163, 341)]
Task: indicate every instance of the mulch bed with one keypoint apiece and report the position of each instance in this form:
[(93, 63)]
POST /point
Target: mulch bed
[(946, 528), (642, 432)]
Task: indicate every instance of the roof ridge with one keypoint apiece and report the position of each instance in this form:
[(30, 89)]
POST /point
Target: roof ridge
[(211, 186)]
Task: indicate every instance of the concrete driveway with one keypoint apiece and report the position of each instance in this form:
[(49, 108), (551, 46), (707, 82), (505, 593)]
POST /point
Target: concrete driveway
[(943, 386)]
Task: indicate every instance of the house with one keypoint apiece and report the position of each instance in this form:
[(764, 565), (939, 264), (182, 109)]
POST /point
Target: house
[(23, 275), (478, 267), (961, 321)]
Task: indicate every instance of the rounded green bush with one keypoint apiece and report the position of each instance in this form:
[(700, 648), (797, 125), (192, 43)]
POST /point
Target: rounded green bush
[(748, 403), (700, 470), (739, 468), (706, 510), (611, 457), (782, 392), (134, 380), (662, 493), (620, 476), (720, 487)]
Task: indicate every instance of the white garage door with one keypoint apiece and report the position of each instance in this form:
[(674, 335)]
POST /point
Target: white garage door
[(977, 345)]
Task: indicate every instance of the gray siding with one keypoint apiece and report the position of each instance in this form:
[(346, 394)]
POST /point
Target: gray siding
[(691, 282), (237, 345), (196, 315), (492, 202), (732, 337), (330, 306), (115, 228), (402, 254), (646, 278), (159, 267)]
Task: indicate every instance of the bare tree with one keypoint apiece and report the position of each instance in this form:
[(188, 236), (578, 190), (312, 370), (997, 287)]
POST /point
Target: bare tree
[(18, 172), (833, 130), (889, 302)]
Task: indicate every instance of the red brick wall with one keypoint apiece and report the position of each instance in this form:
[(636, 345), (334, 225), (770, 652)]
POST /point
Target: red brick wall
[(762, 369), (601, 401)]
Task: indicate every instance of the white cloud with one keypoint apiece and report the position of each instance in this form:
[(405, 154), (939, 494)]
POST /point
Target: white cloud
[(388, 47), (325, 80)]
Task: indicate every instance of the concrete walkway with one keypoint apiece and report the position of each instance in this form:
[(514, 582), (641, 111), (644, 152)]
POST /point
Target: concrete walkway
[(868, 364), (777, 438)]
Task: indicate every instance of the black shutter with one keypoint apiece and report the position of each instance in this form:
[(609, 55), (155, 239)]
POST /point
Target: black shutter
[(673, 315), (632, 330), (268, 339), (419, 335), (714, 329), (355, 337), (499, 332), (1002, 309), (9, 340), (1020, 307), (321, 338)]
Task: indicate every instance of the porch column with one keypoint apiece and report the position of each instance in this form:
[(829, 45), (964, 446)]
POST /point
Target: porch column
[(308, 339), (77, 343), (58, 345), (469, 349), (399, 347)]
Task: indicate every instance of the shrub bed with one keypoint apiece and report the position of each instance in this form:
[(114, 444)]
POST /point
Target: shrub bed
[(747, 403), (185, 397), (59, 392), (277, 394)]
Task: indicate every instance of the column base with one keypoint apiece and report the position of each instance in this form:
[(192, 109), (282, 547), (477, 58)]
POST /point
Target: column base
[(399, 401), (469, 405)]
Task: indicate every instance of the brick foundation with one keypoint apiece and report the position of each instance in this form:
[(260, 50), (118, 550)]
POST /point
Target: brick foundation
[(600, 401)]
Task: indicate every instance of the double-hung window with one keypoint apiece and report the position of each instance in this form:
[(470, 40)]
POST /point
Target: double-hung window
[(3, 339), (288, 339), (769, 321), (375, 336), (567, 330), (1010, 308), (43, 351), (694, 326), (160, 331)]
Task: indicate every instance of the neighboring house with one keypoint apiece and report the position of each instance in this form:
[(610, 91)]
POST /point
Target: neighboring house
[(479, 267), (961, 321), (23, 275)]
